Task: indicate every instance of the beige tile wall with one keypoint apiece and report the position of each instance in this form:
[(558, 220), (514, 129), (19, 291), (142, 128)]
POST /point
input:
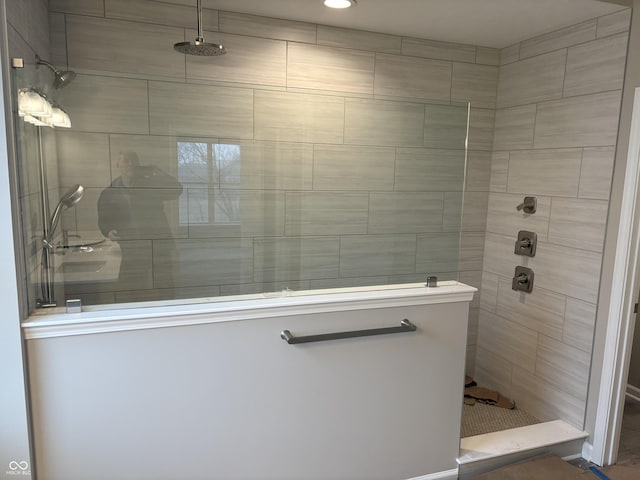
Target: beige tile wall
[(555, 133)]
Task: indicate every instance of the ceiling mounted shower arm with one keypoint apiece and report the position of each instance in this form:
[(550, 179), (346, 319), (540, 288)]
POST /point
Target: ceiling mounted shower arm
[(200, 37)]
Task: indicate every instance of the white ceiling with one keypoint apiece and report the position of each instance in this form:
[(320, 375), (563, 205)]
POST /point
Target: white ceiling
[(490, 23)]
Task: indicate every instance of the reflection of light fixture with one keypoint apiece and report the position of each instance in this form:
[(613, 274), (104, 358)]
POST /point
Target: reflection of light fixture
[(340, 3), (34, 108), (60, 118), (32, 102)]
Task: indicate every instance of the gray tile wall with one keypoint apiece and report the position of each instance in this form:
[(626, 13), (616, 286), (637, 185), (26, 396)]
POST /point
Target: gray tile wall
[(555, 132), (352, 146), (334, 167), (28, 29)]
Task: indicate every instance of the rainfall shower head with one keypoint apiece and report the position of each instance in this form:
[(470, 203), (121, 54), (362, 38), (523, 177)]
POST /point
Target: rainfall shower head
[(199, 46), (61, 78), (68, 200)]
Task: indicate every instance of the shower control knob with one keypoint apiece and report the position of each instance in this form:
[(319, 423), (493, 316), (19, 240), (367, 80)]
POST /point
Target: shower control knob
[(522, 280)]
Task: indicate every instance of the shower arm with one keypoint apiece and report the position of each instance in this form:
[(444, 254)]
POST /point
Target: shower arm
[(40, 61), (200, 33)]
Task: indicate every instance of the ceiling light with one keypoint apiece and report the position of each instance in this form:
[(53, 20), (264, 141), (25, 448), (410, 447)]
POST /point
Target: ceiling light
[(340, 3)]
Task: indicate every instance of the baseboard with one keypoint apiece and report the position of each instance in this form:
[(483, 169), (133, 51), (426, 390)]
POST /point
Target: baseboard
[(445, 475), (587, 451)]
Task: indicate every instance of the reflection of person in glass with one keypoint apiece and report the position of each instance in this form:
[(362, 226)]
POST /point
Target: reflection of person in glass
[(132, 209)]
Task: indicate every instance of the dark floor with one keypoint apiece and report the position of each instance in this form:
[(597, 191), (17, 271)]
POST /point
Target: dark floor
[(554, 468), (629, 451)]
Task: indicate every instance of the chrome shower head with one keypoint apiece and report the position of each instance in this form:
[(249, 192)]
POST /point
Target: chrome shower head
[(73, 196), (199, 47), (68, 200), (61, 78)]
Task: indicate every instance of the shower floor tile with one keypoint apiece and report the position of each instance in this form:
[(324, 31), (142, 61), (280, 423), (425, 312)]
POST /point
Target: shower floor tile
[(479, 419)]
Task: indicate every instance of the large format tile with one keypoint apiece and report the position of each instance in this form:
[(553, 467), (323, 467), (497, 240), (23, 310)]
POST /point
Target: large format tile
[(487, 56), (489, 292), (269, 166), (452, 214), (438, 252), (159, 294), (340, 167), (474, 83), (532, 80), (499, 258), (401, 76), (563, 366), (504, 219), (399, 212), (235, 213), (471, 251), (481, 126), (371, 255), (58, 35), (585, 121), (106, 104), (474, 279), (513, 342), (16, 15), (297, 117), (540, 310), (83, 158), (147, 11), (329, 68), (418, 47), (265, 288), (445, 126), (152, 150), (510, 54), (358, 39), (242, 24), (565, 37), (499, 172), (80, 7), (331, 213), (596, 66), (382, 122), (578, 223), (38, 34), (419, 169), (493, 371), (514, 128), (478, 171), (579, 324), (296, 258), (248, 60), (123, 46), (596, 172), (545, 402), (613, 23), (184, 109), (474, 213), (567, 271), (202, 262), (545, 172), (348, 282)]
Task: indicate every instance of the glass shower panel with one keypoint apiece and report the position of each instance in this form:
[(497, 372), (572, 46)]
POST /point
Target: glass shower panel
[(193, 192)]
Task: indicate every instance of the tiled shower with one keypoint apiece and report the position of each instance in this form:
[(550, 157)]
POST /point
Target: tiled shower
[(542, 122)]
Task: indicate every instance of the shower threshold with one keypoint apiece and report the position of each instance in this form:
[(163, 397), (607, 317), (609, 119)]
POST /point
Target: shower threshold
[(485, 452)]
